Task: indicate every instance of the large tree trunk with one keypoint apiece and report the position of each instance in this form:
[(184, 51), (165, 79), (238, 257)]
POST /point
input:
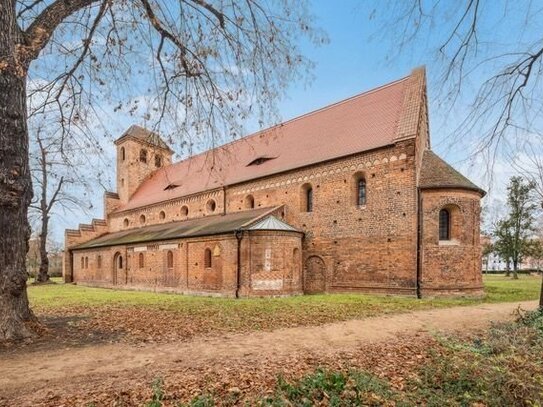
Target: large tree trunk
[(16, 318)]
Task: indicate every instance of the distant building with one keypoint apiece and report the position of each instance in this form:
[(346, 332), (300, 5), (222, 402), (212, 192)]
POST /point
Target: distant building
[(348, 198)]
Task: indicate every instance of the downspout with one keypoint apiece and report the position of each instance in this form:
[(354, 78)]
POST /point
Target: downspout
[(224, 200), (419, 242), (71, 254), (239, 236)]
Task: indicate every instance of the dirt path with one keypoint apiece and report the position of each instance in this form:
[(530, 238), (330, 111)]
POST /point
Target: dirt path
[(19, 371)]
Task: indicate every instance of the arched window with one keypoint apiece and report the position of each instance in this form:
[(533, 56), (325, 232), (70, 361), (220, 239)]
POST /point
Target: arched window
[(162, 215), (120, 262), (444, 224), (184, 210), (142, 219), (82, 262), (125, 222), (99, 262), (86, 262), (123, 154), (361, 192), (249, 202), (158, 160), (169, 259), (306, 198), (143, 155), (141, 261), (211, 206), (207, 258)]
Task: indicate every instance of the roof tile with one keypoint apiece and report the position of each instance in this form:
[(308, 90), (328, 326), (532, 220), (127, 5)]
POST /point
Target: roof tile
[(363, 122), (436, 173)]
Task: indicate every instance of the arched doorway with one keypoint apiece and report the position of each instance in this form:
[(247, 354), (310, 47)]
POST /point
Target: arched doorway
[(314, 275), (118, 266)]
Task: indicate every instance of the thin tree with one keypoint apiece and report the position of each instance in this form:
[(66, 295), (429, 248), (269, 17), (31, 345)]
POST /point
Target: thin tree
[(472, 49), (55, 173), (201, 67), (513, 233), (503, 244)]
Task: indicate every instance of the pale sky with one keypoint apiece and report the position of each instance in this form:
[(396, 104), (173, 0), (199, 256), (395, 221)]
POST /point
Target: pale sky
[(358, 57)]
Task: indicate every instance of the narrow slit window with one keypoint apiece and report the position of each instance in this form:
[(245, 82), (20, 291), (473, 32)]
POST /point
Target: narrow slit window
[(143, 155), (207, 258), (361, 192), (444, 225), (170, 259), (141, 260), (309, 199)]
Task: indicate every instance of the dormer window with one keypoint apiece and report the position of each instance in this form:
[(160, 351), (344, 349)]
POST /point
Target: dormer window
[(171, 186), (260, 160)]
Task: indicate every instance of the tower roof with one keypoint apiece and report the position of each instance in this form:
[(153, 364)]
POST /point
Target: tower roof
[(147, 136), (435, 173)]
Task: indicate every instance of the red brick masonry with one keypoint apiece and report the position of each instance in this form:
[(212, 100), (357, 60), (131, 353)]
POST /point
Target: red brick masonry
[(388, 243)]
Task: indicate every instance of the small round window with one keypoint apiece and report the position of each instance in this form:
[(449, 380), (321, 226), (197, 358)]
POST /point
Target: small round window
[(162, 215), (142, 219), (211, 206), (125, 222), (184, 210)]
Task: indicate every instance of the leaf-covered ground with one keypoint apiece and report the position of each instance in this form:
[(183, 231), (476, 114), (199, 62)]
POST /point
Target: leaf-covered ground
[(377, 361), (78, 315), (496, 367)]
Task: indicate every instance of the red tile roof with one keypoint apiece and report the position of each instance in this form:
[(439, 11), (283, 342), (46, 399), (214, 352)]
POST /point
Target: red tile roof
[(435, 173), (206, 226), (363, 122)]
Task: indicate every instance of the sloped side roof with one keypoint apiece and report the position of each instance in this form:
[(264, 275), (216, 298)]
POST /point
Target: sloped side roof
[(206, 226), (144, 135), (363, 122), (436, 173)]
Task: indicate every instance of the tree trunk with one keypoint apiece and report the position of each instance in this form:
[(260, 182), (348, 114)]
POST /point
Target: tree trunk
[(541, 295), (515, 269), (43, 274), (16, 318), (507, 269)]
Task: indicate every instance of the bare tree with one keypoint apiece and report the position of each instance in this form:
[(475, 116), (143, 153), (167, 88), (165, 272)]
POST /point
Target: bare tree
[(204, 67), (55, 176), (492, 47)]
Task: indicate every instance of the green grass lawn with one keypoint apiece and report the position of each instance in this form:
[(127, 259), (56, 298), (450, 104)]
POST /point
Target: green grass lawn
[(498, 288), (253, 313)]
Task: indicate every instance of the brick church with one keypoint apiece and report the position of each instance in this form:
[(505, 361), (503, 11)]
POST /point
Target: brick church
[(348, 198)]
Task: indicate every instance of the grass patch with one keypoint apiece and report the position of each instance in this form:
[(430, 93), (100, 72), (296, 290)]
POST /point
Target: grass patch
[(499, 288), (157, 315)]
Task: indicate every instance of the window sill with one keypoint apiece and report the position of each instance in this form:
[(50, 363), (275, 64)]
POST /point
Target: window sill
[(452, 242), (361, 207)]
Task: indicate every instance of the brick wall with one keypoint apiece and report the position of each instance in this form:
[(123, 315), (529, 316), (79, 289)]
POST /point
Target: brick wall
[(195, 206), (452, 266), (131, 171), (271, 265), (372, 247)]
